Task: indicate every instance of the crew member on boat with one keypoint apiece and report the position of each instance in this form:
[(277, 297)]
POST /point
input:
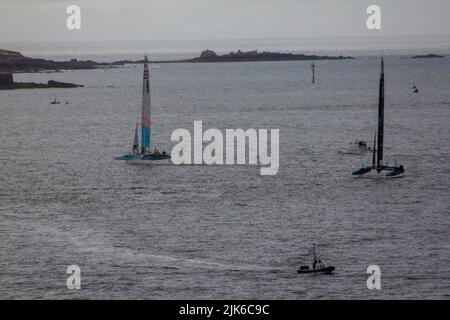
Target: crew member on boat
[(318, 263)]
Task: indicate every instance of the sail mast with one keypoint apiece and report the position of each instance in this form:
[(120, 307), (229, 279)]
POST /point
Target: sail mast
[(381, 118), (146, 129), (374, 151)]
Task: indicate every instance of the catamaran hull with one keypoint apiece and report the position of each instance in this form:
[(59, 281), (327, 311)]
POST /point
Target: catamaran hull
[(128, 157), (149, 162), (361, 171), (139, 158), (374, 173), (394, 173)]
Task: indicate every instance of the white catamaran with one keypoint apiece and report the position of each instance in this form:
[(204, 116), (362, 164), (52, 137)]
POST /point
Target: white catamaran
[(377, 152), (144, 153)]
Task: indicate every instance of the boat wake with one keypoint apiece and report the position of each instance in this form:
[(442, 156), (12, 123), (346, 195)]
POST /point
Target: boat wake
[(94, 243)]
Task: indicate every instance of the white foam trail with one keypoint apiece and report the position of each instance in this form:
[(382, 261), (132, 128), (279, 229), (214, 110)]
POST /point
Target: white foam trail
[(91, 243)]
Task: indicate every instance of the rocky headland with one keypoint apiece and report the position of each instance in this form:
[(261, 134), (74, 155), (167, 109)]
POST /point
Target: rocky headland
[(13, 61)]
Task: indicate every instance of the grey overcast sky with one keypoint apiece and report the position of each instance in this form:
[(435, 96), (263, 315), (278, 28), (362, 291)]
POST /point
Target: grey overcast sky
[(44, 20)]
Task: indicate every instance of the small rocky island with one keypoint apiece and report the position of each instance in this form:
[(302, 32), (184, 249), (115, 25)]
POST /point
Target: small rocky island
[(428, 56), (240, 56), (211, 56), (7, 83)]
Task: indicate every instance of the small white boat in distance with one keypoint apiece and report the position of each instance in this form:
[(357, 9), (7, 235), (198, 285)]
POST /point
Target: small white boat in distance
[(55, 101), (357, 147)]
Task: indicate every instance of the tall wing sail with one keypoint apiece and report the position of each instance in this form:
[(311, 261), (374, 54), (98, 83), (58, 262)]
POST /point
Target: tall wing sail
[(381, 117), (146, 124)]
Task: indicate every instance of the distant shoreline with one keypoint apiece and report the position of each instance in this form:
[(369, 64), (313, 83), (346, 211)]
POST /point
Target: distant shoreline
[(12, 61), (15, 62), (428, 56), (246, 56)]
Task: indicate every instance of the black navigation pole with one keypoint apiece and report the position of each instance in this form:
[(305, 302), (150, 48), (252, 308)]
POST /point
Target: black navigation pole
[(313, 67)]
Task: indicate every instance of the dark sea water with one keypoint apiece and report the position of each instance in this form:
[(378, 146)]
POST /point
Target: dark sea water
[(183, 232)]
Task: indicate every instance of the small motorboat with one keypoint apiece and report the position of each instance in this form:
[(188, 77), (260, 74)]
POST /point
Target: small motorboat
[(317, 266), (357, 147), (326, 270), (55, 102)]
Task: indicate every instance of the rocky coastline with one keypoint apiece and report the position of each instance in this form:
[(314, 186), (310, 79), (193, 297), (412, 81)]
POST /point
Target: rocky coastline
[(428, 56), (34, 85), (238, 56), (246, 56), (13, 61)]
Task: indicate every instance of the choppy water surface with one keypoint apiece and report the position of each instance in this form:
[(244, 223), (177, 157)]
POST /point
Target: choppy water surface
[(225, 231)]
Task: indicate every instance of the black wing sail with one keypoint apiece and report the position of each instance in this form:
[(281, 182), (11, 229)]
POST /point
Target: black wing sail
[(374, 151), (381, 118)]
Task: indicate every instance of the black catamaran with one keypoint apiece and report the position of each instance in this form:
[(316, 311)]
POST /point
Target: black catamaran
[(377, 152)]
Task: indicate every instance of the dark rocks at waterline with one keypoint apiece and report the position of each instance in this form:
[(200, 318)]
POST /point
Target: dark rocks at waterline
[(6, 79), (36, 65), (428, 56), (58, 84), (7, 83), (34, 85)]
